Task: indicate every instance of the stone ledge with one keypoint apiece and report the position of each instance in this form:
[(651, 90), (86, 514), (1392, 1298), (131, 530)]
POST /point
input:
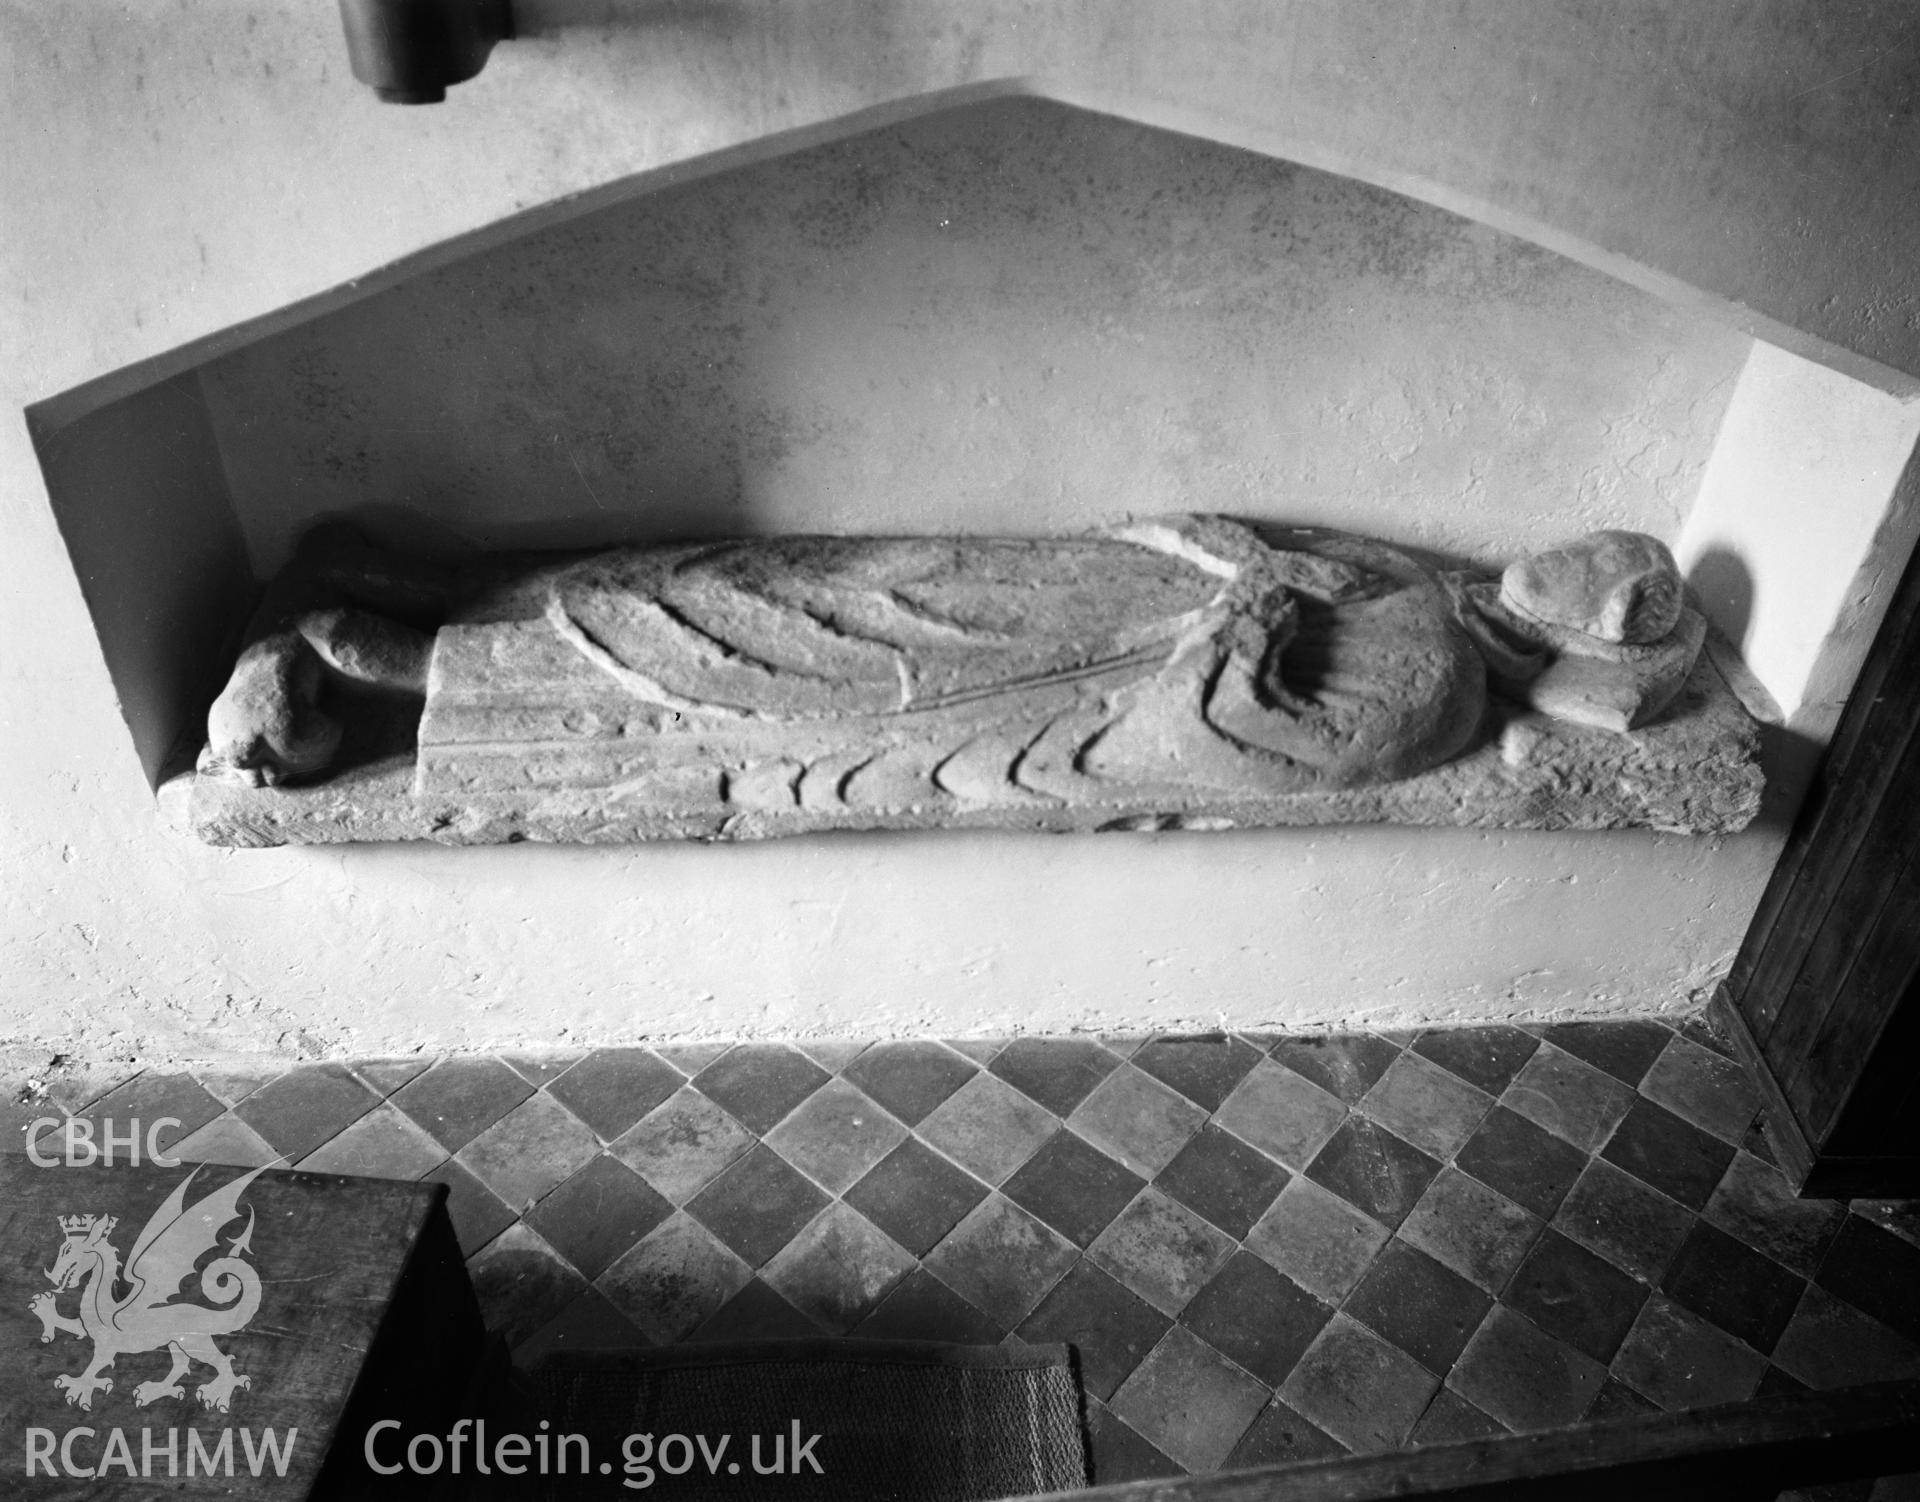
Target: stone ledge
[(1696, 771)]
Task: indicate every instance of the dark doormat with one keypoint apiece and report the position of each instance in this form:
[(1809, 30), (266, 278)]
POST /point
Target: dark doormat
[(797, 1420)]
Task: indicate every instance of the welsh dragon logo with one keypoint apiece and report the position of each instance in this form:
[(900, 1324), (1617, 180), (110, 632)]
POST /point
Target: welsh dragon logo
[(146, 1318)]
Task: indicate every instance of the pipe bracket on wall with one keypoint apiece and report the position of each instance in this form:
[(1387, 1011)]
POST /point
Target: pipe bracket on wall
[(409, 51)]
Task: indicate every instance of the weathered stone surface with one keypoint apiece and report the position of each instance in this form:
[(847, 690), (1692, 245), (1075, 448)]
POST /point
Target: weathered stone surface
[(1696, 771), (1616, 686), (1180, 673), (1617, 586)]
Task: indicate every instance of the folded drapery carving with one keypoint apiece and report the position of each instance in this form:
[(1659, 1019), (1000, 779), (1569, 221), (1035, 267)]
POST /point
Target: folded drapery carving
[(1184, 670)]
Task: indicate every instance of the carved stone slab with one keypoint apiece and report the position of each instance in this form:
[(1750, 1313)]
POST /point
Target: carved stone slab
[(1695, 772), (1185, 672)]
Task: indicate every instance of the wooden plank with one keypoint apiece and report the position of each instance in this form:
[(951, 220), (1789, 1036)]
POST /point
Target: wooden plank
[(1883, 1116), (326, 1255), (1852, 782), (1741, 1450), (1830, 953), (1790, 1146), (1886, 958)]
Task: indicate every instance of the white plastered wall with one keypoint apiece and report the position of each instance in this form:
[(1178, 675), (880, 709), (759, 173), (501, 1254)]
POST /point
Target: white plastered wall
[(179, 171)]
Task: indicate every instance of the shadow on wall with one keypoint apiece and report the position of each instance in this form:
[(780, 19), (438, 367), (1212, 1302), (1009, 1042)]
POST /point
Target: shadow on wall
[(1724, 584)]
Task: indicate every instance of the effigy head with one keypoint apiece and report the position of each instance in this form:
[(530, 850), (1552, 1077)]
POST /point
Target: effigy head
[(1613, 586)]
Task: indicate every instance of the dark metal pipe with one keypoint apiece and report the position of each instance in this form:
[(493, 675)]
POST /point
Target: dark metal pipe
[(409, 51)]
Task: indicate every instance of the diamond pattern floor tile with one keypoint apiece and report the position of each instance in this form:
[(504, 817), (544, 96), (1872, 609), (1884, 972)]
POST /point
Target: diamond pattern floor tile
[(1263, 1249), (458, 1099), (305, 1107), (911, 1078), (383, 1144), (613, 1088), (1135, 1118), (597, 1214), (150, 1099), (682, 1144), (1189, 1401)]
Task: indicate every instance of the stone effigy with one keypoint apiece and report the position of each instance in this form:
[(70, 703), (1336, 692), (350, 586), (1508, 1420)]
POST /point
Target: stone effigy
[(1186, 671)]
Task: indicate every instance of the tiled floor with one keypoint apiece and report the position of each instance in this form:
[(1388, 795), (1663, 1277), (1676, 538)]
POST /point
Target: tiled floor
[(1263, 1248)]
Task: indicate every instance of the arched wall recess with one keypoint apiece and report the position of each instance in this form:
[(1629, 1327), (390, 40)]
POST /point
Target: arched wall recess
[(238, 448)]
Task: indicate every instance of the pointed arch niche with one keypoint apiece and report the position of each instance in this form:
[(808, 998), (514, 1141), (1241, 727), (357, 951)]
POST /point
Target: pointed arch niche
[(1000, 312)]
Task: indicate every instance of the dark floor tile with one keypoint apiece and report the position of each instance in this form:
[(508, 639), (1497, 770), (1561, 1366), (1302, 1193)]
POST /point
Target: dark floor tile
[(1733, 1286), (1073, 1187), (1427, 1310), (388, 1075), (1626, 1050), (757, 1205), (1119, 1454), (522, 1284), (1757, 1206), (1515, 1371), (1426, 1105), (1111, 1329), (983, 1051), (1630, 1224), (672, 1279), (1715, 1093), (1001, 1260), (1830, 1344), (612, 1088), (1526, 1163), (1485, 1056), (1355, 1386), (1450, 1417), (838, 1269), (478, 1213), (1777, 1383), (142, 1103), (1475, 1230), (1756, 1142), (1279, 1434), (1057, 1072), (1616, 1400), (1674, 1156), (1575, 1296), (916, 1196), (1680, 1361), (536, 1068), (589, 1323), (597, 1214), (910, 1078), (1316, 1238), (1256, 1317), (1205, 1070), (1876, 1271), (1346, 1065), (1222, 1178), (1569, 1097), (756, 1312), (835, 1135), (305, 1107), (1370, 1168), (458, 1099), (1161, 1250), (1189, 1401), (759, 1083), (921, 1307)]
